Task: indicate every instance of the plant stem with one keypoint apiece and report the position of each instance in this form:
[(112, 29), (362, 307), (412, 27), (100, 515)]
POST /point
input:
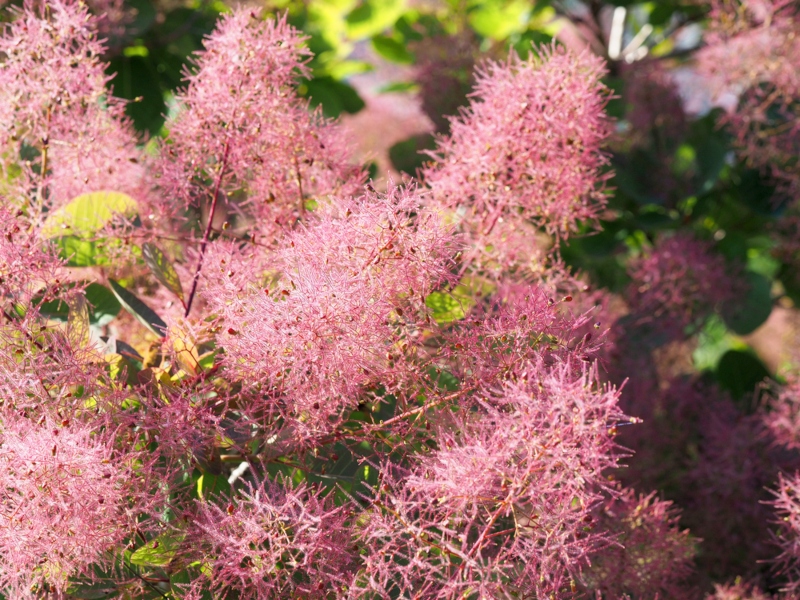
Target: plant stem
[(212, 211)]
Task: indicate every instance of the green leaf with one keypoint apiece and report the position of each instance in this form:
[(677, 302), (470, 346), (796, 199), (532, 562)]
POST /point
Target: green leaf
[(103, 306), (78, 252), (755, 307), (335, 96), (372, 17), (210, 485), (444, 380), (711, 156), (143, 313), (399, 87), (498, 19), (162, 268), (740, 372), (713, 342), (407, 155), (446, 308), (89, 213), (392, 50), (158, 552)]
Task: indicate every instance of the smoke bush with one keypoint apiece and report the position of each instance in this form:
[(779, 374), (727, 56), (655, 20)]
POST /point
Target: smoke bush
[(230, 367)]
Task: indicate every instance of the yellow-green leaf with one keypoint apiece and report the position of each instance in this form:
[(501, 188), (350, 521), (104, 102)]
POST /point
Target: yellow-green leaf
[(162, 268), (158, 552), (446, 308), (89, 213)]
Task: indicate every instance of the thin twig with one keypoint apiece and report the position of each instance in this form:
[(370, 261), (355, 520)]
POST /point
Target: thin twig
[(212, 211)]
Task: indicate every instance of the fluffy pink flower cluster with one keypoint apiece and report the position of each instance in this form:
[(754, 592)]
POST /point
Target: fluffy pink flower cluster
[(243, 133), (323, 339), (527, 148), (273, 541), (341, 308), (64, 502), (503, 504), (682, 279), (648, 555), (787, 506), (54, 100)]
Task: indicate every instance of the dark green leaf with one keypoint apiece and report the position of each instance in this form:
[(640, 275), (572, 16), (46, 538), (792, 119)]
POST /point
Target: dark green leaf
[(210, 485), (407, 156), (755, 307), (392, 50), (334, 96), (740, 372), (143, 313), (103, 304)]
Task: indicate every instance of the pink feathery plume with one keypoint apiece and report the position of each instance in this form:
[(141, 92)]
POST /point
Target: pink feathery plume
[(54, 99), (340, 309), (528, 146)]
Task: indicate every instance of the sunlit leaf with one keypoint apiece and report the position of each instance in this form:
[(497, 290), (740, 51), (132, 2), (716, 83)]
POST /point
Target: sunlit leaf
[(89, 213), (162, 268), (158, 552)]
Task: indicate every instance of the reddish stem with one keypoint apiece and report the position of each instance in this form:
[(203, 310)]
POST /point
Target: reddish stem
[(209, 225)]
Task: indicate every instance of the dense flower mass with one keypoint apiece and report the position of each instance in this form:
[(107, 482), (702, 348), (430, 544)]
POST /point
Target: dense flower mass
[(273, 541), (55, 104), (681, 279), (243, 132), (341, 307), (527, 460), (230, 367), (64, 505), (528, 145), (648, 555), (752, 51), (787, 505)]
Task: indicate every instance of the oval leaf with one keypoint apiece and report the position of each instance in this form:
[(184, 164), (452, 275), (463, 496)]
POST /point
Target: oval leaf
[(103, 304), (162, 268), (143, 313), (446, 308), (158, 552), (210, 485), (78, 252), (89, 213), (755, 308)]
